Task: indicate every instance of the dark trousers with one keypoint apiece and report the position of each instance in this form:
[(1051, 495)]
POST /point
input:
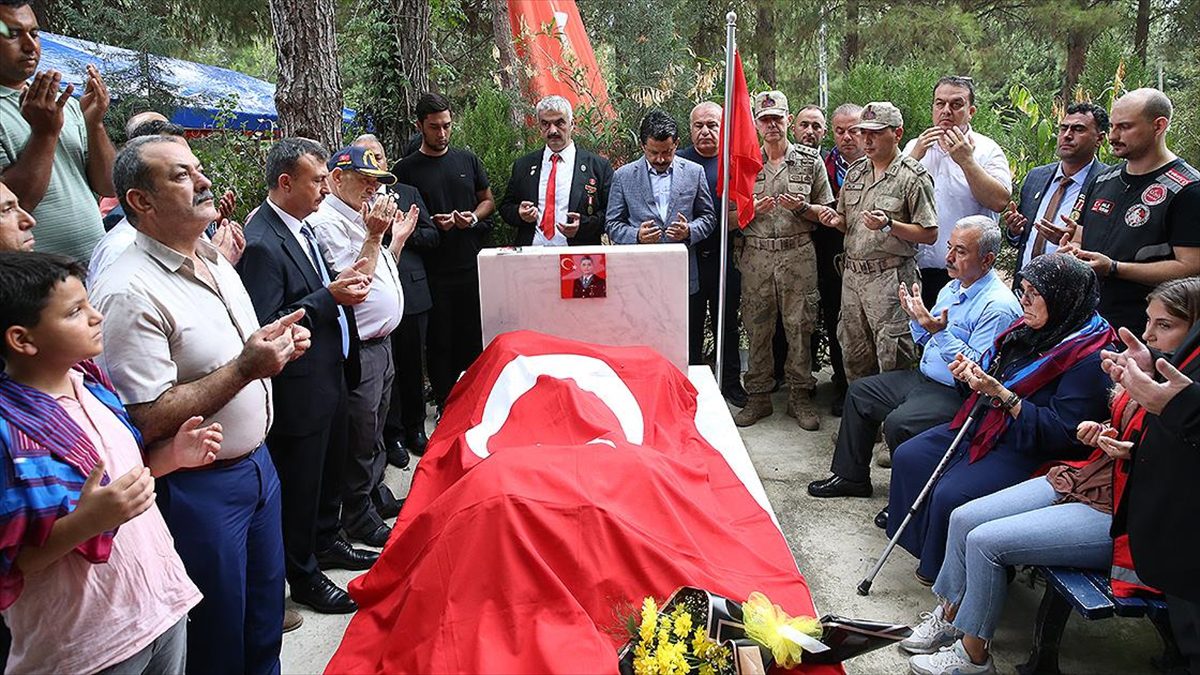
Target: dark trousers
[(702, 311), (406, 413), (905, 402), (367, 408), (828, 243), (226, 527), (455, 329), (933, 279), (1185, 624), (310, 471)]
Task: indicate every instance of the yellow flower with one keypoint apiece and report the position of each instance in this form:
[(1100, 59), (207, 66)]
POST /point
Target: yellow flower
[(707, 669), (769, 626), (683, 624), (649, 620), (643, 663), (700, 641)]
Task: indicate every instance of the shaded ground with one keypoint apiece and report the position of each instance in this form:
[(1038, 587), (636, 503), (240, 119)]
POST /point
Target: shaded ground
[(835, 543)]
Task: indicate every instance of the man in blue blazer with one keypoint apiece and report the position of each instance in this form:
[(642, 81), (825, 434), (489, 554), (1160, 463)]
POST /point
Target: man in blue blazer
[(1049, 191), (661, 198)]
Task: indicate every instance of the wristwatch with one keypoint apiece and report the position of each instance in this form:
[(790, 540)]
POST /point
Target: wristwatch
[(474, 219), (1006, 404), (887, 227)]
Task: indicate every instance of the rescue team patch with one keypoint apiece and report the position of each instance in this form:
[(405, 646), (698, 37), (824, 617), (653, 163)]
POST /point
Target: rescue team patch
[(1154, 195), (1102, 206), (1179, 177), (1137, 215)]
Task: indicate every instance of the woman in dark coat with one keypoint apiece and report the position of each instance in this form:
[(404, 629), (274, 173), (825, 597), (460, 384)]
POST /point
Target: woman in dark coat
[(1034, 387)]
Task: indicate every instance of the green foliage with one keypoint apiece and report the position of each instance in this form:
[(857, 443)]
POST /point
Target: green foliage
[(233, 158), (485, 127)]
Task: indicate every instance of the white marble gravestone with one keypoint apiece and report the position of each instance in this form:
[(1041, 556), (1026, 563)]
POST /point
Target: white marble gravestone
[(646, 300)]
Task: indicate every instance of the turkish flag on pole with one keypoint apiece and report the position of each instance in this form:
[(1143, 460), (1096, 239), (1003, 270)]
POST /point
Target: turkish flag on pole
[(745, 156), (564, 481)]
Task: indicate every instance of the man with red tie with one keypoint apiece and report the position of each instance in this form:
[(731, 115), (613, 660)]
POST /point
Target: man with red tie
[(558, 194)]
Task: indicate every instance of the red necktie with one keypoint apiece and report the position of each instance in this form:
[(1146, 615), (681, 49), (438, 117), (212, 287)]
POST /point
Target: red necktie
[(548, 212)]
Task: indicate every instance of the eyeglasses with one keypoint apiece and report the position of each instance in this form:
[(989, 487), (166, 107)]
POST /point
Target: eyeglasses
[(1027, 295)]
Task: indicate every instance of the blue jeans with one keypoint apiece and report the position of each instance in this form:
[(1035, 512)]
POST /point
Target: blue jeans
[(1020, 525)]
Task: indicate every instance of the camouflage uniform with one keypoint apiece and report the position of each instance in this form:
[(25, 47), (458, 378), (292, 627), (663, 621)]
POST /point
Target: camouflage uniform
[(779, 271), (872, 327)]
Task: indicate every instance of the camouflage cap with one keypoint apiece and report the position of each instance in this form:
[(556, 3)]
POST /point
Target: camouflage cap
[(880, 115), (770, 103)]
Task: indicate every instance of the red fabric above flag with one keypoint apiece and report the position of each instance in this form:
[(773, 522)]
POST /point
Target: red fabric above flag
[(745, 155), (564, 480), (561, 60)]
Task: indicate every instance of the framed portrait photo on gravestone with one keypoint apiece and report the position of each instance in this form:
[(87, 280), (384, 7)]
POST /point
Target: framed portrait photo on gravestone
[(583, 276)]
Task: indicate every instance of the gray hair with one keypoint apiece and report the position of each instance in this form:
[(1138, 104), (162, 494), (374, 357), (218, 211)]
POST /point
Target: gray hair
[(556, 104), (989, 233), (850, 109), (131, 172)]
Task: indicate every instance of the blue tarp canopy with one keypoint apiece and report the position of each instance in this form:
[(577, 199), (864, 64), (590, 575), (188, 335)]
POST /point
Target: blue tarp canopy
[(207, 91)]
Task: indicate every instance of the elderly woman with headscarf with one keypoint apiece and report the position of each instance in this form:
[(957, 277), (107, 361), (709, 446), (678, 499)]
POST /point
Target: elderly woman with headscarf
[(1041, 379)]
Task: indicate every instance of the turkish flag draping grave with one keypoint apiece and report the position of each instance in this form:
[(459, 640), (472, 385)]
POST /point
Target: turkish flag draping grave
[(561, 61), (564, 481), (745, 155)]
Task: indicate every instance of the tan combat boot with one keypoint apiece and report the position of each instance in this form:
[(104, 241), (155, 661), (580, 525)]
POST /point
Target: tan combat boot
[(758, 407), (800, 406)]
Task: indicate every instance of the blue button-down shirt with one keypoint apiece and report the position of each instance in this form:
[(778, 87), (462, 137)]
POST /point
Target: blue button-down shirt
[(661, 184), (976, 315)]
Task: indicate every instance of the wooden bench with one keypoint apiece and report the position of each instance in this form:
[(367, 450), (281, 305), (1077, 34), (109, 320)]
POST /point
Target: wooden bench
[(1089, 594)]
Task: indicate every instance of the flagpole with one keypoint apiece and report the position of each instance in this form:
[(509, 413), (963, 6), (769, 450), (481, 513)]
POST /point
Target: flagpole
[(730, 31)]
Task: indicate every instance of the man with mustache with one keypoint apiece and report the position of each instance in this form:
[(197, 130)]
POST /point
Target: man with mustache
[(54, 150), (704, 126), (970, 174), (16, 225), (1139, 222), (1049, 192), (558, 194)]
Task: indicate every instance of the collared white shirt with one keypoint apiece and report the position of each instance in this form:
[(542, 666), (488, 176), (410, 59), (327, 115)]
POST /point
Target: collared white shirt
[(951, 193), (562, 194), (660, 183), (294, 226), (111, 246), (1074, 187), (342, 233)]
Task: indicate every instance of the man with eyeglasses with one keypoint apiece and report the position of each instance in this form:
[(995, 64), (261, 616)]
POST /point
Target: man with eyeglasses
[(558, 194), (970, 174)]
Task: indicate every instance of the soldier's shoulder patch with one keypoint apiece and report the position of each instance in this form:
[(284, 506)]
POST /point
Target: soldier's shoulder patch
[(913, 165), (805, 150)]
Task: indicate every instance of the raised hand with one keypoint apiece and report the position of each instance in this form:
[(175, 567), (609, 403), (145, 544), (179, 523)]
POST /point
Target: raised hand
[(874, 220), (528, 212), (914, 307), (1117, 449), (571, 227), (106, 507), (958, 145), (925, 141), (404, 223), (351, 286), (269, 348), (95, 100), (764, 204), (378, 216), (649, 233), (444, 221), (194, 445), (1152, 395), (789, 201), (42, 104), (679, 229), (1014, 221), (1054, 232), (230, 239), (226, 205)]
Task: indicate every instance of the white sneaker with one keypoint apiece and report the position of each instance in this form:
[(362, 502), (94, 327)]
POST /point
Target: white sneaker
[(950, 661), (933, 633)]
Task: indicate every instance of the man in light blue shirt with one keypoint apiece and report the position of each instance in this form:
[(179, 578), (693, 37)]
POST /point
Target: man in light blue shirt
[(969, 313)]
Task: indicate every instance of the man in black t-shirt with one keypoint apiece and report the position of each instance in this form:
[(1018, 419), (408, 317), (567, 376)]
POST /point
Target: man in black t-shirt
[(1138, 222), (705, 128), (454, 186)]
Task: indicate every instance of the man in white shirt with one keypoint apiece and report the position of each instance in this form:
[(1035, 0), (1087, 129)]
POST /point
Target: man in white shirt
[(350, 225), (970, 174)]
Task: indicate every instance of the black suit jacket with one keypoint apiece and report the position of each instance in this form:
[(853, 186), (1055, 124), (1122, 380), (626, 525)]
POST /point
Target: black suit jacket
[(280, 279), (1033, 189), (589, 195), (411, 266)]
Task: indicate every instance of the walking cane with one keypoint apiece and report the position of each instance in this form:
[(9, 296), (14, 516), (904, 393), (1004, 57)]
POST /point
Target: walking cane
[(864, 586)]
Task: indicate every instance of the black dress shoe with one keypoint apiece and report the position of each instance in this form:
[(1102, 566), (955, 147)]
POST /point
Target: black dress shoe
[(881, 520), (390, 510), (416, 442), (839, 402), (377, 537), (342, 556), (397, 453), (836, 486), (323, 596), (736, 394)]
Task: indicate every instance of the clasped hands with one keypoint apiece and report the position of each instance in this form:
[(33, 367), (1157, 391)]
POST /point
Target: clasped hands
[(1135, 369), (971, 374)]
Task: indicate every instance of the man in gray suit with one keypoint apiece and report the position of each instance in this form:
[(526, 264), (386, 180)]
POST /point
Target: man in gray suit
[(1035, 226), (661, 198)]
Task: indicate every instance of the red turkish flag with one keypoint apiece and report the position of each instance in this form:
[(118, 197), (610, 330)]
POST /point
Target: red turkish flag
[(550, 37), (564, 480), (745, 156)]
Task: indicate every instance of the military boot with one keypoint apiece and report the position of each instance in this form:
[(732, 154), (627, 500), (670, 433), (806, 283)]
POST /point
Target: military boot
[(758, 407), (800, 406)]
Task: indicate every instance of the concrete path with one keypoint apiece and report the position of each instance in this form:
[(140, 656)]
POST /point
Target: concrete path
[(835, 543)]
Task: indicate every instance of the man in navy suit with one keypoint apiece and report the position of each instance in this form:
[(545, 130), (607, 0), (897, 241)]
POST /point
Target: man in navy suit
[(1035, 226), (571, 210), (284, 270), (661, 198)]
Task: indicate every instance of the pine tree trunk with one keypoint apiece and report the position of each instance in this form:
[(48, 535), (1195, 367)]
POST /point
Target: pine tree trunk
[(1141, 31), (765, 39), (850, 46), (410, 26), (510, 67), (308, 96), (1077, 46)]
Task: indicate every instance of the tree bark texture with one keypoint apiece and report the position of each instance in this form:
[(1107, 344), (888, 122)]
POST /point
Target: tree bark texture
[(509, 66), (410, 26), (765, 40), (850, 47), (308, 96), (1141, 30), (1077, 46)]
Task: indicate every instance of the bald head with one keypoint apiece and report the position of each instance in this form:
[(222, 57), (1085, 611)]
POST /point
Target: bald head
[(141, 118), (1138, 131), (1150, 102), (705, 128)]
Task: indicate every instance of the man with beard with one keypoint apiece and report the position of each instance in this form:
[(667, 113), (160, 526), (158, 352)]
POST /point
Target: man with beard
[(704, 126)]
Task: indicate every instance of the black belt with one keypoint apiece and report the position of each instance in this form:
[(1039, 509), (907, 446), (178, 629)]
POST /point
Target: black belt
[(374, 341), (222, 463)]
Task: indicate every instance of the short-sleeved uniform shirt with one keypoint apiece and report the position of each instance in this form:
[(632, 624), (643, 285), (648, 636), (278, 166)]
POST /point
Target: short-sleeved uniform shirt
[(800, 174), (904, 192), (68, 217), (164, 326), (1138, 218), (449, 183)]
